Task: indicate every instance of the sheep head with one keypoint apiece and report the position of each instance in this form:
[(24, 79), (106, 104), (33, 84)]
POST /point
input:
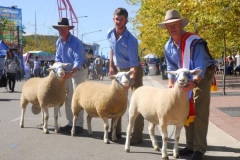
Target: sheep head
[(183, 75), (59, 68), (123, 78)]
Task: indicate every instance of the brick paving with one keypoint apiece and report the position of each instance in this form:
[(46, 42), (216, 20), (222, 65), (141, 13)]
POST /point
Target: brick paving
[(229, 124)]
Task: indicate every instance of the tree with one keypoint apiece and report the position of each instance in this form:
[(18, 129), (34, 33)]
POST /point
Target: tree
[(46, 43), (211, 18)]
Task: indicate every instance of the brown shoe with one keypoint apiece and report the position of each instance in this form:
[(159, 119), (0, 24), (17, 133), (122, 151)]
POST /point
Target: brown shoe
[(135, 140)]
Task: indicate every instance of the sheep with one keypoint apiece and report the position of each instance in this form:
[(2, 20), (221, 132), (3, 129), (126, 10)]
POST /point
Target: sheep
[(163, 107), (101, 100), (46, 92)]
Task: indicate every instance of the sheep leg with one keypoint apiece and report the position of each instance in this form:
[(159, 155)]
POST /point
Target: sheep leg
[(46, 116), (115, 121), (56, 119), (132, 117), (177, 137), (22, 117), (164, 141), (75, 111), (89, 119), (23, 105), (106, 127), (151, 129), (42, 119)]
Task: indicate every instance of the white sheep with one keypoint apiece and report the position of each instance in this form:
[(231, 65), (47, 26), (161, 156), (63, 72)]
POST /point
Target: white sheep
[(101, 100), (169, 106), (46, 92)]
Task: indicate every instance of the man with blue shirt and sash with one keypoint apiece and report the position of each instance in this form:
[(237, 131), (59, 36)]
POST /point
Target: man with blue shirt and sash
[(187, 50), (124, 57)]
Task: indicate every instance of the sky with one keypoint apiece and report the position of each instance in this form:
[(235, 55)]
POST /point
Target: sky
[(99, 17)]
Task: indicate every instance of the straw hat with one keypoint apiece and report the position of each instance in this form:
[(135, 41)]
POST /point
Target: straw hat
[(173, 16)]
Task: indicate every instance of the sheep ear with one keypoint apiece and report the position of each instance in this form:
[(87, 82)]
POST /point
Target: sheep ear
[(112, 77), (130, 72), (66, 64), (195, 71), (172, 72)]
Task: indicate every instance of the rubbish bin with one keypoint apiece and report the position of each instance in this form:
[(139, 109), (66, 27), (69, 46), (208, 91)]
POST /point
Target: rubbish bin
[(163, 70), (152, 69)]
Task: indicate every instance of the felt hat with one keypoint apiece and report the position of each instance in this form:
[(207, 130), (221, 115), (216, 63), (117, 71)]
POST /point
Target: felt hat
[(173, 16), (62, 22)]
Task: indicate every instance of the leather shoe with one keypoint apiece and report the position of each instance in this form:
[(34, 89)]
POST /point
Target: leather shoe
[(65, 128), (135, 140), (197, 155), (185, 152), (78, 129)]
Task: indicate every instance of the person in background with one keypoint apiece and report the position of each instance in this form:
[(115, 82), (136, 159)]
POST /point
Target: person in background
[(198, 57), (19, 73), (124, 55), (10, 66), (27, 69), (69, 49), (36, 67), (45, 72), (99, 67)]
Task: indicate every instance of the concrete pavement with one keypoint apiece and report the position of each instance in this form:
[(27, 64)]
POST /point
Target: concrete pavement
[(30, 142)]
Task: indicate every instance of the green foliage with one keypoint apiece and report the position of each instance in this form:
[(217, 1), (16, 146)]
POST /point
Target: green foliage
[(211, 18), (45, 43)]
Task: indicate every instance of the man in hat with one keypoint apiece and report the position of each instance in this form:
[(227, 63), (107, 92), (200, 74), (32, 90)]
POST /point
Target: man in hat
[(69, 49), (124, 55), (179, 55)]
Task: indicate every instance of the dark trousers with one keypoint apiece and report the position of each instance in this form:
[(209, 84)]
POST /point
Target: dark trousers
[(139, 123), (11, 80)]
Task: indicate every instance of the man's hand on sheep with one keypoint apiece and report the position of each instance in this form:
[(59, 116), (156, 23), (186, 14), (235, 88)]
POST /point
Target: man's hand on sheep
[(74, 70)]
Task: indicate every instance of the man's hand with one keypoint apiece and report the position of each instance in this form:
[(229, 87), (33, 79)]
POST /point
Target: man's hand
[(74, 70), (111, 71), (190, 86)]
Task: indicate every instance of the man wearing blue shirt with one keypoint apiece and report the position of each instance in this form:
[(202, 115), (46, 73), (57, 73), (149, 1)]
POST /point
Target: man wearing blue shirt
[(198, 58), (70, 50), (124, 57)]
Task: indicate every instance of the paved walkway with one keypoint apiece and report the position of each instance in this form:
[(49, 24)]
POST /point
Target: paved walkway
[(222, 144)]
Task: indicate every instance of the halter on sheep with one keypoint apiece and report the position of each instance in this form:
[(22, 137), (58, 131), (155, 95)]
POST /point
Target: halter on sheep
[(44, 93), (165, 107)]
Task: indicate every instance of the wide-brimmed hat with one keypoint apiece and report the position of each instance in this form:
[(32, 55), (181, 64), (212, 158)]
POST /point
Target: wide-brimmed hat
[(173, 16), (62, 22)]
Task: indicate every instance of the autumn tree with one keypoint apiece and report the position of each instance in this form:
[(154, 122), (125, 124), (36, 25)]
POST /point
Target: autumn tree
[(213, 20), (45, 43)]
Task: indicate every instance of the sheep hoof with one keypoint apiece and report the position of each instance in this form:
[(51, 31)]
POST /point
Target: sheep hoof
[(127, 150), (56, 131), (21, 126), (156, 149), (165, 158), (46, 132), (175, 156), (72, 135), (106, 142), (115, 140)]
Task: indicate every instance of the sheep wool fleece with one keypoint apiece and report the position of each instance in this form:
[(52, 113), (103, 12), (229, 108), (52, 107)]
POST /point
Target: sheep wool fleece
[(71, 84), (139, 123)]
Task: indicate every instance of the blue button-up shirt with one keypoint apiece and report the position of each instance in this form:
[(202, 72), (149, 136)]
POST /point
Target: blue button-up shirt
[(71, 51), (125, 49), (173, 57)]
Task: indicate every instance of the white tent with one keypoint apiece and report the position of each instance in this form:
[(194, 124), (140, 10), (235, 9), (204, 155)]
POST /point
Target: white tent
[(150, 55)]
